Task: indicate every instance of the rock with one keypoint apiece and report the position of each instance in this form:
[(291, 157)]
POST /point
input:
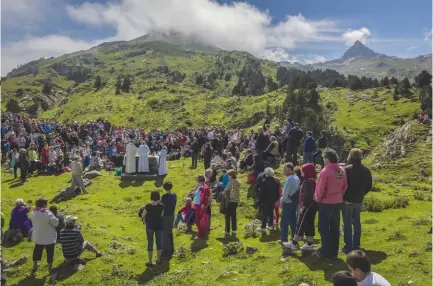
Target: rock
[(251, 249)]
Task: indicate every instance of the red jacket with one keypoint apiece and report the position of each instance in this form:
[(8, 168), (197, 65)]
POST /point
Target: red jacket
[(204, 196)]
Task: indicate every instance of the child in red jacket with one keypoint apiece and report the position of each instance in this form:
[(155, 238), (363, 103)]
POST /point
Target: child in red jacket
[(187, 212)]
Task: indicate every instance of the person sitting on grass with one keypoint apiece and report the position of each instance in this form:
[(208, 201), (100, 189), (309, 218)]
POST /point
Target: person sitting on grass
[(73, 243), (151, 215), (20, 224), (187, 212), (360, 266), (343, 278)]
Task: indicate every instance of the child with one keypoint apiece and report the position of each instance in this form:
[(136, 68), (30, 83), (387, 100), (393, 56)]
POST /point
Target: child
[(187, 212), (360, 266), (15, 157), (343, 278)]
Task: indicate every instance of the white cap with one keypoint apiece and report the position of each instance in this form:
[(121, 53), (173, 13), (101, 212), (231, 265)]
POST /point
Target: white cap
[(70, 219)]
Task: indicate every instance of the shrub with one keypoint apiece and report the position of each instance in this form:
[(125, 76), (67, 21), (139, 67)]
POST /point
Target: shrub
[(373, 205), (396, 235), (421, 221), (232, 248), (400, 202), (422, 196)]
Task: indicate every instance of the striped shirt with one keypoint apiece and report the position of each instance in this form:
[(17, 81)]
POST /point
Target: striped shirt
[(72, 242)]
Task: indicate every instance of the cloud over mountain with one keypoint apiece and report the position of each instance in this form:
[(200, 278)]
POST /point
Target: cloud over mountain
[(351, 36)]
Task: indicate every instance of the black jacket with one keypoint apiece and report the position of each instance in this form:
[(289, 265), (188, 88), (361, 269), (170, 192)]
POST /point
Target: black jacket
[(269, 191), (262, 142), (359, 183), (195, 147)]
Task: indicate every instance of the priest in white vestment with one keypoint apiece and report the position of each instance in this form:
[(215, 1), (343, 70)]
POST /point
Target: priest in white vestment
[(162, 166), (129, 161), (143, 161)]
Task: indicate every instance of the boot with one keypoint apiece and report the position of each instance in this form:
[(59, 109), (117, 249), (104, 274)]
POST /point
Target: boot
[(149, 254), (158, 258)]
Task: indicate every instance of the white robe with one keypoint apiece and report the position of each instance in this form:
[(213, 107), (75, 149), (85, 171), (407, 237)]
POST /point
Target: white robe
[(143, 161), (162, 166), (129, 159)]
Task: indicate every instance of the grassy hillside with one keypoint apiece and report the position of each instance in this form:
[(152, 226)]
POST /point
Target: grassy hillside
[(394, 235)]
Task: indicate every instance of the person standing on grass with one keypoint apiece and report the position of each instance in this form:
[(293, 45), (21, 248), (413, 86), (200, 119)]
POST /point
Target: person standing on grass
[(201, 205), (268, 195), (309, 148), (152, 217), (232, 193), (44, 233), (360, 266), (77, 175), (329, 193), (61, 219), (289, 202), (169, 200), (195, 149), (24, 164), (308, 210), (359, 183)]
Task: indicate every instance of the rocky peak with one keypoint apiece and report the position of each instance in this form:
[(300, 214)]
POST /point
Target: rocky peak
[(360, 50)]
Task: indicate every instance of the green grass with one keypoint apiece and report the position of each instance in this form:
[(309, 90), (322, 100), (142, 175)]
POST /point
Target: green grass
[(109, 215)]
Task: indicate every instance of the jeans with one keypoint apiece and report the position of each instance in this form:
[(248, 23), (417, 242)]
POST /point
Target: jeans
[(351, 216), (329, 228), (194, 157), (186, 220), (150, 232), (167, 235), (307, 158), (267, 215), (231, 216), (15, 169), (288, 217)]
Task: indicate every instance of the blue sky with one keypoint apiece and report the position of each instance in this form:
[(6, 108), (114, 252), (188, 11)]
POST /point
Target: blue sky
[(305, 31)]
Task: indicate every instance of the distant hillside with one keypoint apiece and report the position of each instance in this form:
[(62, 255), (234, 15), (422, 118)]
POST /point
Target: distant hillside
[(362, 61)]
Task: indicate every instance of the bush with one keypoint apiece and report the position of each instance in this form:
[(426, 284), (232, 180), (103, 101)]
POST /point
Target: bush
[(232, 248), (422, 196), (421, 221), (373, 205), (396, 235), (400, 202)]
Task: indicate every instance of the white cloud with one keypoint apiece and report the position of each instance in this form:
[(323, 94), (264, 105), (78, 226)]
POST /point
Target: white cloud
[(34, 48), (235, 26), (351, 36), (427, 35), (279, 55), (313, 59), (412, 48)]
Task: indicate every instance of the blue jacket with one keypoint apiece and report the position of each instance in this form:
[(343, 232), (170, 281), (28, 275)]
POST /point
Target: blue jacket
[(226, 180), (309, 145)]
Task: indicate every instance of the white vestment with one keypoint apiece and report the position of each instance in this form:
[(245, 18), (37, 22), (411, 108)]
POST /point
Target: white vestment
[(129, 160), (143, 161), (162, 166)]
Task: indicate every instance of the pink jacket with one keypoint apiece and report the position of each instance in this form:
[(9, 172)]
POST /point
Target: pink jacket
[(332, 185)]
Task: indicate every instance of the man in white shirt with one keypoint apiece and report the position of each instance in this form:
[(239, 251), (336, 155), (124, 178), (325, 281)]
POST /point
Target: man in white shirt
[(77, 175), (360, 266)]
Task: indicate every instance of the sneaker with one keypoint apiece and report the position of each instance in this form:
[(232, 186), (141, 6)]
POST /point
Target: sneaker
[(344, 250), (196, 238), (290, 245), (262, 230), (307, 247)]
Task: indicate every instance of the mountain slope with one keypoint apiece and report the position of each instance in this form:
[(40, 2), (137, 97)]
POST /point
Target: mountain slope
[(362, 61), (360, 50)]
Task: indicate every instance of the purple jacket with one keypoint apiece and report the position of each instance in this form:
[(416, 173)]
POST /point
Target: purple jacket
[(20, 220)]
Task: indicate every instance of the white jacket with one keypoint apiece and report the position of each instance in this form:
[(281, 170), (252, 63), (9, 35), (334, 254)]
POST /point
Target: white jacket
[(44, 227)]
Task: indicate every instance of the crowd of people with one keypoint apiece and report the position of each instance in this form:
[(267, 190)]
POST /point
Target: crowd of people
[(292, 204)]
